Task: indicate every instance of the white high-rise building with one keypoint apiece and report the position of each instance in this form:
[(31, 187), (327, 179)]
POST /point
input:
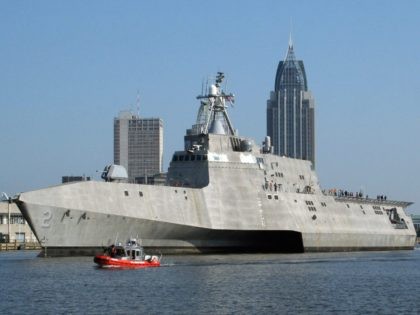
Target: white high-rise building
[(138, 146)]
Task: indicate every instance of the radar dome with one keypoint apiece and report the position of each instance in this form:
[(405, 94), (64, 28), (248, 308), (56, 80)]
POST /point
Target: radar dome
[(246, 145)]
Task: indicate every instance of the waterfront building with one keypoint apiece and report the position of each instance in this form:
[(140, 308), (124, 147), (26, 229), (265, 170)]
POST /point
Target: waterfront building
[(138, 146), (13, 227), (290, 111), (416, 222)]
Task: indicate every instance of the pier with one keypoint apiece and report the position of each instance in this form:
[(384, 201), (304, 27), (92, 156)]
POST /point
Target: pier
[(20, 246)]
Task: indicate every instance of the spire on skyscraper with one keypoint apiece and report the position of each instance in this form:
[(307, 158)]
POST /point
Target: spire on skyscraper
[(290, 41), (290, 55)]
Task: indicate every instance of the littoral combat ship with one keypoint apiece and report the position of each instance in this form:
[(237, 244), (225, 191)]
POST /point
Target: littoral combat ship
[(223, 194)]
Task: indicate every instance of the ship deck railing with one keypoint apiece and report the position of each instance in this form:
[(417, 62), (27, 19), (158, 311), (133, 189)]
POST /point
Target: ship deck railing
[(364, 200)]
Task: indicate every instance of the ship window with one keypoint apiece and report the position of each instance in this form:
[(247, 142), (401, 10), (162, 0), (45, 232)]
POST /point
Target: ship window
[(192, 157), (186, 198), (140, 193), (198, 157), (276, 197), (205, 157), (281, 174), (176, 191), (126, 192), (187, 158), (175, 158), (348, 206), (181, 158), (269, 196), (361, 207)]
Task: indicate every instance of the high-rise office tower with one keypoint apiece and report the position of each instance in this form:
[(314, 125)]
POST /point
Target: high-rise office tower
[(138, 146), (290, 111)]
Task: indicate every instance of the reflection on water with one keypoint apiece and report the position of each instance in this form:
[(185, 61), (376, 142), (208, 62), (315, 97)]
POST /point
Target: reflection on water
[(362, 282)]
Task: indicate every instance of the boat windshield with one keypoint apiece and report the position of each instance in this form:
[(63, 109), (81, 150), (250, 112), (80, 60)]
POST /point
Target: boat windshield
[(119, 251)]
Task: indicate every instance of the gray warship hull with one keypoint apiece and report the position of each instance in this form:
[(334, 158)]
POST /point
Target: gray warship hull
[(223, 194), (236, 212)]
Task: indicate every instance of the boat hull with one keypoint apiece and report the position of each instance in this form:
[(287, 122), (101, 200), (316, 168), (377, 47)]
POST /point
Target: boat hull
[(110, 262), (88, 236), (80, 218)]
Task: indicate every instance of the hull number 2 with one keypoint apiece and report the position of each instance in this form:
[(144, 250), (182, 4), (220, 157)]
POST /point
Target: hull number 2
[(46, 219)]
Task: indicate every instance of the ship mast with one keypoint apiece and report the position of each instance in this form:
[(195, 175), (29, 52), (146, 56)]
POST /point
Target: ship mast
[(215, 100)]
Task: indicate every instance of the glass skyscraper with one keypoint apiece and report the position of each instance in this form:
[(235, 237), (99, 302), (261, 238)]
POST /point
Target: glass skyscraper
[(290, 111)]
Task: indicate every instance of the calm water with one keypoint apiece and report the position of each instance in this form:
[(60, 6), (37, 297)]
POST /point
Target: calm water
[(354, 283)]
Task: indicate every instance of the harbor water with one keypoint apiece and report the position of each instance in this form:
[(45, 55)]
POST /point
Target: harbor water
[(327, 283)]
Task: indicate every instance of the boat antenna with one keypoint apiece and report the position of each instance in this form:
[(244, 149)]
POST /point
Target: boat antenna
[(116, 238)]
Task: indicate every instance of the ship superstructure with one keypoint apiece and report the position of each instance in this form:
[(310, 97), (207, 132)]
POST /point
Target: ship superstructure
[(223, 193)]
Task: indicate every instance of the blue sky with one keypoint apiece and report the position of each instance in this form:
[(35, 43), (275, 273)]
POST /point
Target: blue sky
[(68, 67)]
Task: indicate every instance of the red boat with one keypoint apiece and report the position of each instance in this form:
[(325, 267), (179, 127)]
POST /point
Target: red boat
[(129, 256)]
